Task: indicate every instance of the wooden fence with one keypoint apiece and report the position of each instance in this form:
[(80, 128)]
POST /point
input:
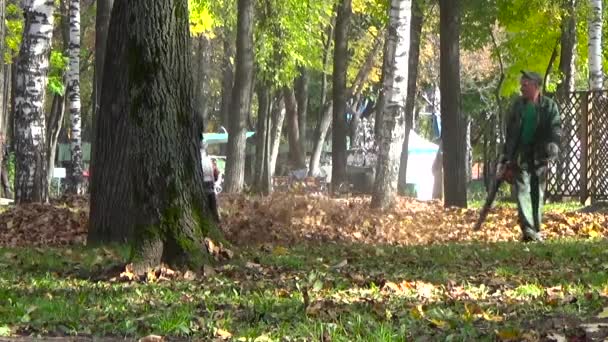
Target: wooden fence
[(581, 170)]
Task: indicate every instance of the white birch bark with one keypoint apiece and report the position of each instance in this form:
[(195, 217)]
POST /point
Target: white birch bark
[(595, 46), (395, 77), (73, 96), (31, 183)]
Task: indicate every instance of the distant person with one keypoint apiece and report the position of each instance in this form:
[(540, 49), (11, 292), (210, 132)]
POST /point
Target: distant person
[(210, 176), (532, 141)]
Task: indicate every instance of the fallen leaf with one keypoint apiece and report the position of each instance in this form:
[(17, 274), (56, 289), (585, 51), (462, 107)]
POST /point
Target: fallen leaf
[(223, 334), (152, 338)]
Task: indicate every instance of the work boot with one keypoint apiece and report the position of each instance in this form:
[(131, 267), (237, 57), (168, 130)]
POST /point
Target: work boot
[(529, 235)]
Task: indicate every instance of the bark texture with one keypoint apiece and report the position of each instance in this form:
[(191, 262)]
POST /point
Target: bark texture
[(111, 187), (75, 177), (171, 215), (395, 87), (338, 145), (31, 183), (241, 99), (453, 124)]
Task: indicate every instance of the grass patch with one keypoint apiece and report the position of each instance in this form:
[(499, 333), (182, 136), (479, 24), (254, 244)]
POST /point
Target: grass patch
[(343, 292)]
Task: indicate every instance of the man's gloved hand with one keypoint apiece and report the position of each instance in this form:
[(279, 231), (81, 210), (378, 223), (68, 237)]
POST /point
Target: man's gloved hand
[(552, 150), (506, 171)]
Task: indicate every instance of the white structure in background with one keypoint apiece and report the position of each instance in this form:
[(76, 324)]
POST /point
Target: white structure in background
[(421, 155)]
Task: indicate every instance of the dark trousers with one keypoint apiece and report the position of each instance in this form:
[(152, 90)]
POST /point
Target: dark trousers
[(530, 190)]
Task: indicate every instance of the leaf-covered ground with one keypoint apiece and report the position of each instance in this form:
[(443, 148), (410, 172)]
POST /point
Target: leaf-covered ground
[(289, 219), (318, 270)]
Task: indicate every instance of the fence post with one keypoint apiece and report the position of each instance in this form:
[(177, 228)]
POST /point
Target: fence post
[(585, 140)]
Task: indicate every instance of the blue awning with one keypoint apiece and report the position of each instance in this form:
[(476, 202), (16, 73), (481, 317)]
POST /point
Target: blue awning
[(220, 138)]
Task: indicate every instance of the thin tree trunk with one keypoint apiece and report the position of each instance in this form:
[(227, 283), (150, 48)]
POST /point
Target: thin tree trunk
[(357, 87), (3, 99), (75, 178), (453, 130), (296, 157), (278, 116), (30, 127), (320, 134), (262, 133), (301, 93), (54, 122), (596, 76), (202, 78), (172, 218), (395, 82), (111, 182), (326, 56), (567, 52), (227, 82), (241, 99), (339, 95), (410, 100)]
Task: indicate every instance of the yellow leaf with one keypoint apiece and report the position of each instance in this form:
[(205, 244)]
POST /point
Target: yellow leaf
[(508, 334), (417, 312), (223, 334), (439, 323), (279, 250)]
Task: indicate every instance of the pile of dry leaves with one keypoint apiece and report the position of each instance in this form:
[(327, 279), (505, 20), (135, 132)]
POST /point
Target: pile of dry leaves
[(287, 219), (63, 222)]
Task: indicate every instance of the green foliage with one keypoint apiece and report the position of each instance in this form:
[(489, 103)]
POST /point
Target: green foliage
[(288, 36), (59, 65), (14, 32)]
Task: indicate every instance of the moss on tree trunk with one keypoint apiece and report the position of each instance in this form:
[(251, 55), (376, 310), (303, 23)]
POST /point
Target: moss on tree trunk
[(170, 212)]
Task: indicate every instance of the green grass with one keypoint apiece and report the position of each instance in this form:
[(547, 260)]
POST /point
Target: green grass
[(450, 292)]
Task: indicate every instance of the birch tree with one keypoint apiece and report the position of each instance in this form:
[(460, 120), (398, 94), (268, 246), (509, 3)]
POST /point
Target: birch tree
[(596, 78), (394, 90), (31, 184), (73, 96)]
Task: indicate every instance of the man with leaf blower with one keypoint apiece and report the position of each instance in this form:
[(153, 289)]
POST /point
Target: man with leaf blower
[(532, 141)]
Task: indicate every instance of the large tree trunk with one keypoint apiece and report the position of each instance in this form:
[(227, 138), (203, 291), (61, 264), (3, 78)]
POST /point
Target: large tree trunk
[(320, 133), (395, 82), (296, 156), (453, 129), (338, 145), (75, 177), (171, 219), (596, 76), (301, 92), (567, 54), (410, 100), (111, 184), (241, 99), (102, 23), (278, 116), (31, 183)]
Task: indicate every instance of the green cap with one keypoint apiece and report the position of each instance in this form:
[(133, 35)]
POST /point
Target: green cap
[(533, 76)]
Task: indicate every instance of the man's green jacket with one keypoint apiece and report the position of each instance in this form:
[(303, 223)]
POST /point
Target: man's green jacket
[(547, 136)]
